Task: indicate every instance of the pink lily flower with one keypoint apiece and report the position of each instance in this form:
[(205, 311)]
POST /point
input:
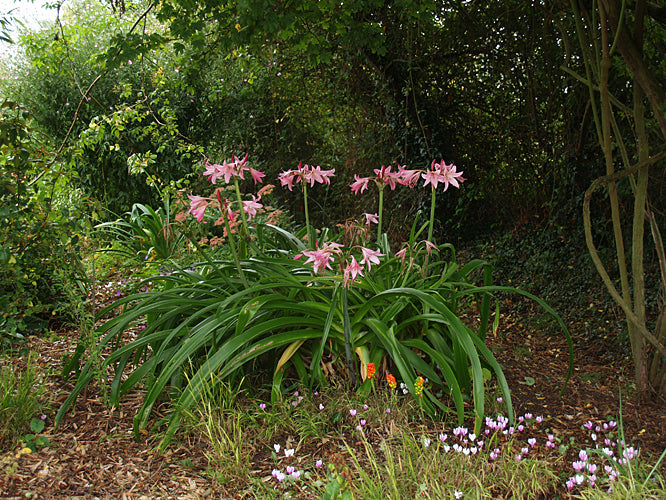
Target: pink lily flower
[(401, 254), (408, 177), (450, 176), (198, 206), (212, 171), (433, 176), (316, 174), (287, 178), (230, 170), (430, 247), (361, 183), (370, 257), (250, 206), (386, 177), (320, 258), (256, 175), (371, 218), (351, 272)]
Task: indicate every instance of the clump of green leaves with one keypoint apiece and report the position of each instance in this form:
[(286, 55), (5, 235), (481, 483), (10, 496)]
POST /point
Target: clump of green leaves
[(22, 396)]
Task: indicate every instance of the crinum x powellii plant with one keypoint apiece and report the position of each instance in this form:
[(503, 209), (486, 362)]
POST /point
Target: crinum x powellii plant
[(310, 304)]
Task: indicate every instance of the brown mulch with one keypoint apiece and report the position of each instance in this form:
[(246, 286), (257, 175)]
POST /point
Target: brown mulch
[(93, 454)]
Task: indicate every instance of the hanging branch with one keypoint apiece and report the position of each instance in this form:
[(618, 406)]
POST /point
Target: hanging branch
[(594, 253)]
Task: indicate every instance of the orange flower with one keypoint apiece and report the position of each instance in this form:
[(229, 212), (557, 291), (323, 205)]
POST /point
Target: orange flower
[(370, 370), (391, 381)]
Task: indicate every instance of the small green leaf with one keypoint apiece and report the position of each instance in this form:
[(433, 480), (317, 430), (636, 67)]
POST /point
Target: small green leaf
[(36, 425), (530, 381)]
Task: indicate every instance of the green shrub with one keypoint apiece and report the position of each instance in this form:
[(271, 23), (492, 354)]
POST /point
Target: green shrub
[(38, 246)]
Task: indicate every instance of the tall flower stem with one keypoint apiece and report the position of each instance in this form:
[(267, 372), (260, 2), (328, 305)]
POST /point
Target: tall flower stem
[(232, 242), (381, 213), (311, 241), (432, 215), (240, 200), (348, 340)]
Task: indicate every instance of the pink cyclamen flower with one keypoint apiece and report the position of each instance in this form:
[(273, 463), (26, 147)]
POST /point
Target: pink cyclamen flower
[(360, 184), (370, 257), (319, 464), (198, 206)]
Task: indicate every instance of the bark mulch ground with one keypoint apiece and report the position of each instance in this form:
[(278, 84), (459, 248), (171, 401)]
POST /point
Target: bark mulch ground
[(93, 454)]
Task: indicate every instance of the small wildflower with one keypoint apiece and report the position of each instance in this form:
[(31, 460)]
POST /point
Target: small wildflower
[(426, 442), (289, 452), (290, 469), (457, 494), (363, 421), (319, 464), (262, 406), (630, 453), (532, 442), (352, 412), (321, 406), (277, 448)]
